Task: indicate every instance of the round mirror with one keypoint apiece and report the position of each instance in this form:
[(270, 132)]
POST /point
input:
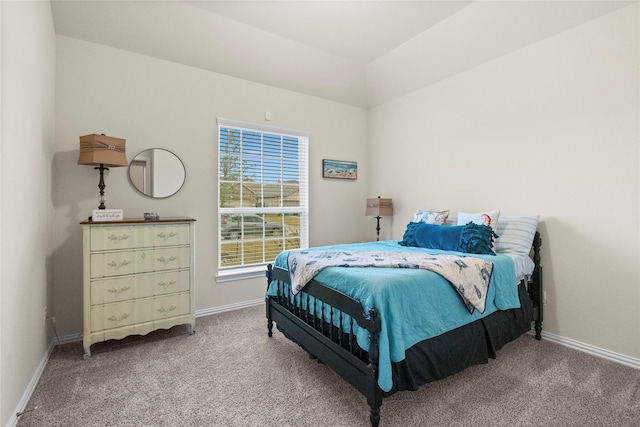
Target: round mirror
[(157, 173)]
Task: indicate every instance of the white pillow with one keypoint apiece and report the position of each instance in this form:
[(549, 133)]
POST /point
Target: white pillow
[(489, 218), (431, 217), (515, 234)]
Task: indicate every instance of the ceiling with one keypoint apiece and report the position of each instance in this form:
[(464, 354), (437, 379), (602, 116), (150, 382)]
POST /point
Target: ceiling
[(362, 53)]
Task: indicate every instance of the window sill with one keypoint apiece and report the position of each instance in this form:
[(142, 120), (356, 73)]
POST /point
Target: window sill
[(233, 274)]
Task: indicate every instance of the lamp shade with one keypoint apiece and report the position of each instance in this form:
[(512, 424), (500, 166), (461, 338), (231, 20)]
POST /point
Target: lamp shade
[(102, 150), (379, 207)]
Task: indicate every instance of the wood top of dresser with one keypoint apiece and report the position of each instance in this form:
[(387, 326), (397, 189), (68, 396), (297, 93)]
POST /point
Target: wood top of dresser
[(136, 221)]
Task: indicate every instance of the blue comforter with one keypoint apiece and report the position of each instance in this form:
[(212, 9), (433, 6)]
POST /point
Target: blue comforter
[(413, 304)]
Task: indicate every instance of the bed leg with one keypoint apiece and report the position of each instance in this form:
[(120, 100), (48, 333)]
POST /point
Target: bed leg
[(374, 417), (269, 320), (375, 398), (267, 303), (538, 327)]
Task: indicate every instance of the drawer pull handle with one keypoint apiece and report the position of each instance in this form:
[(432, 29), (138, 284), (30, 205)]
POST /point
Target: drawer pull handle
[(117, 265), (166, 261), (118, 319), (119, 291), (166, 311), (118, 239), (165, 285), (164, 236)]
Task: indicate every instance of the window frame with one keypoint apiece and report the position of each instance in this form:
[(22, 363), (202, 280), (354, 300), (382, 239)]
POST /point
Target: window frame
[(230, 273)]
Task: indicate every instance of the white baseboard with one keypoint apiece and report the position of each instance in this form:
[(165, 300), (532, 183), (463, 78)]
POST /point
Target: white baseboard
[(230, 307), (24, 399), (595, 351), (69, 338)]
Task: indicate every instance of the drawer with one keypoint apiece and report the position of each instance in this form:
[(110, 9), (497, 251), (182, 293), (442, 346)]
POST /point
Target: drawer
[(112, 237), (164, 235), (122, 314), (112, 290), (162, 283), (167, 259), (110, 264), (105, 291)]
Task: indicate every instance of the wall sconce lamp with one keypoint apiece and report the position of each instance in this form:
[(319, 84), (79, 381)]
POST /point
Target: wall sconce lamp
[(378, 208), (103, 152)]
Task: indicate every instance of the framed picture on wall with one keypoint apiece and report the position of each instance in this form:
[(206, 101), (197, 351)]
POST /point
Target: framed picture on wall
[(340, 169)]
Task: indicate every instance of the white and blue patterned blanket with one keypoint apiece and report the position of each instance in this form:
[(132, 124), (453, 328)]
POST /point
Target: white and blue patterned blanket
[(469, 276)]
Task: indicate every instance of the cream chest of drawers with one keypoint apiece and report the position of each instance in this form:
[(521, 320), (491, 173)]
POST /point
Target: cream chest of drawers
[(138, 276)]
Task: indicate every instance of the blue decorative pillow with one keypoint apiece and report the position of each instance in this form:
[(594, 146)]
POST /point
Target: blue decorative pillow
[(409, 237), (470, 238)]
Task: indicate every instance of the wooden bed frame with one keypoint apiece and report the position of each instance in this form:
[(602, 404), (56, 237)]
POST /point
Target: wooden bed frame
[(334, 346)]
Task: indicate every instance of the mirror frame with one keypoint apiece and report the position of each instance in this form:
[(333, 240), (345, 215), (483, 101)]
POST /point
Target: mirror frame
[(146, 174)]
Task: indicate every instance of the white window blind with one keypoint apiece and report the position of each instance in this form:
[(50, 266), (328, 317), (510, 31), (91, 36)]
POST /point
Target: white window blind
[(263, 199)]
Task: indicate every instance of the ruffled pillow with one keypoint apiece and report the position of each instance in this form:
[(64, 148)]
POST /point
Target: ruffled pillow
[(469, 238), (409, 237)]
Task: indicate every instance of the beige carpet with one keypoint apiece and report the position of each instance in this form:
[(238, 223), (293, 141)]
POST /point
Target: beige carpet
[(231, 374)]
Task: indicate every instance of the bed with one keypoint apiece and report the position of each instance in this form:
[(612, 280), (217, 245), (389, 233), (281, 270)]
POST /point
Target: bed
[(385, 327)]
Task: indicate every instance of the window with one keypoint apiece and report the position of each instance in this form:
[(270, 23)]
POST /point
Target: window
[(263, 205)]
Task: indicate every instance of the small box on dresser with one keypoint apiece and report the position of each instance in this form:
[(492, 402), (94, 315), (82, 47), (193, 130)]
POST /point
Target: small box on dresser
[(138, 276)]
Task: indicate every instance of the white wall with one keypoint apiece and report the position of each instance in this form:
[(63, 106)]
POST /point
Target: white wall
[(28, 58), (155, 103), (552, 129)]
